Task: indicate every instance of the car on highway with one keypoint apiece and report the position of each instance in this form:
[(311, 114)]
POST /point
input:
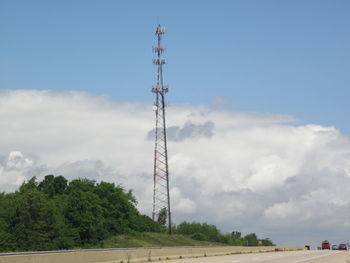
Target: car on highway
[(334, 247), (343, 247), (326, 245)]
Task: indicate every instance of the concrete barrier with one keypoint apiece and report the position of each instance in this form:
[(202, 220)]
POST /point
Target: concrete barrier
[(133, 255)]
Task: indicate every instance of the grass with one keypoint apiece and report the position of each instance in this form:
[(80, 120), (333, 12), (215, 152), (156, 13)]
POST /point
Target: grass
[(152, 240)]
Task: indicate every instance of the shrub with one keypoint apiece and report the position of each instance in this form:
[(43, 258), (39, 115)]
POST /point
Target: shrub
[(199, 236)]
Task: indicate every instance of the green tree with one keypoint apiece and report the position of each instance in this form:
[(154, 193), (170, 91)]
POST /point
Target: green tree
[(46, 185), (145, 224), (209, 231), (84, 215), (55, 214), (162, 216), (33, 218), (7, 240), (267, 242), (119, 209), (236, 234), (52, 185), (251, 239)]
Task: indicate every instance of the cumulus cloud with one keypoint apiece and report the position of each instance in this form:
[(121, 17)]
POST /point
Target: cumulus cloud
[(261, 173), (181, 204), (16, 168)]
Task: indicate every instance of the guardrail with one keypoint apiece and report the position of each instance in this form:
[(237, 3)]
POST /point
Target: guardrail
[(130, 255)]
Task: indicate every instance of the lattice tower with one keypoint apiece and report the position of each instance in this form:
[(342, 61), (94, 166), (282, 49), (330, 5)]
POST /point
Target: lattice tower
[(161, 198)]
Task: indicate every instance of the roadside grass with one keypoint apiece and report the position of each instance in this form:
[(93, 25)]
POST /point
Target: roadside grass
[(146, 239)]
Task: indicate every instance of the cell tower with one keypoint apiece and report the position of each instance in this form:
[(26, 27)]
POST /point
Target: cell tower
[(161, 198)]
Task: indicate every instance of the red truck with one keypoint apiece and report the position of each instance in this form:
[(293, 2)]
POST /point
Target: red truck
[(326, 245)]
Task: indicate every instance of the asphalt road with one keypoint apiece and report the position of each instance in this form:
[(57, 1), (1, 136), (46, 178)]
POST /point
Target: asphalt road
[(312, 256)]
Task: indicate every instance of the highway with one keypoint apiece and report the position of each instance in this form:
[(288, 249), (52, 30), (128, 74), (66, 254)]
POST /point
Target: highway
[(305, 256)]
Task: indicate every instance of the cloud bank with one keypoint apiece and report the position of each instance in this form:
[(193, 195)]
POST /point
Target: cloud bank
[(261, 173)]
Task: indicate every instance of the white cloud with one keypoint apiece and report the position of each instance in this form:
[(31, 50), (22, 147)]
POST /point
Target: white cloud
[(242, 171), (16, 161), (181, 204), (15, 168), (282, 210)]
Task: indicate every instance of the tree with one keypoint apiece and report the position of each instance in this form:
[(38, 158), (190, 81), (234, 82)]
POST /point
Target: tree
[(30, 185), (209, 231), (7, 240), (33, 218), (46, 185), (267, 242), (251, 239), (120, 213), (84, 215), (144, 223), (236, 234), (60, 184), (162, 216), (55, 214)]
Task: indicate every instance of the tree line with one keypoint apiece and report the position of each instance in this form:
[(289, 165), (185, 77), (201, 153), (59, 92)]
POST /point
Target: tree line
[(207, 232), (55, 214)]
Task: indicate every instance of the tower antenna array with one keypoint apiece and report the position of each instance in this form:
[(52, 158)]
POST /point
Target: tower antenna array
[(161, 198)]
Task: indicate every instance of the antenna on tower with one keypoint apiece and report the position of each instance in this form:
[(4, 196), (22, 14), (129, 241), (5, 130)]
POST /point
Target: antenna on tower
[(161, 198)]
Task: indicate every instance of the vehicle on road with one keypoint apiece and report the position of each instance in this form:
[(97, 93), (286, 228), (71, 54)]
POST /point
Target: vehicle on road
[(342, 247), (334, 247), (326, 245)]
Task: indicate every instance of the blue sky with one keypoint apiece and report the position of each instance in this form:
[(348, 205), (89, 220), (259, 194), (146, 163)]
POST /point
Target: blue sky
[(283, 57)]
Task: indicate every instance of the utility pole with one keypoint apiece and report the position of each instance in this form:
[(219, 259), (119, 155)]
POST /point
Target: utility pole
[(161, 198)]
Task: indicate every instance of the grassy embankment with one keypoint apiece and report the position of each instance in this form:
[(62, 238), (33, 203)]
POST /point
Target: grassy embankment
[(152, 240)]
